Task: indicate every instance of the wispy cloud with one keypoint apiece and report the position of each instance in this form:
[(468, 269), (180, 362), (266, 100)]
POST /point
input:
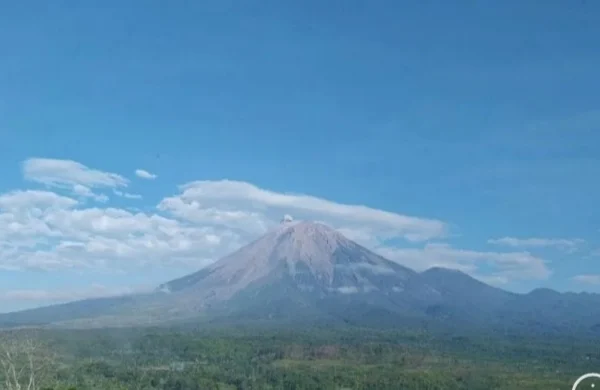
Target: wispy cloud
[(86, 192), (592, 279), (127, 195), (568, 245), (245, 205), (72, 176), (145, 174), (68, 173), (500, 266)]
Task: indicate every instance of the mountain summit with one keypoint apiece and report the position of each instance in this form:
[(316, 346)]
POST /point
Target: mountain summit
[(296, 258)]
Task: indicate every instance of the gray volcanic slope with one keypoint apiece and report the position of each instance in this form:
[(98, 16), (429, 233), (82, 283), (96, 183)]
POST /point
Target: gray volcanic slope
[(310, 257), (308, 271)]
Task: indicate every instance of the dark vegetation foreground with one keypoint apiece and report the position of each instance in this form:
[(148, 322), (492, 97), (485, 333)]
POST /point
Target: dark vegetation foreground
[(314, 358)]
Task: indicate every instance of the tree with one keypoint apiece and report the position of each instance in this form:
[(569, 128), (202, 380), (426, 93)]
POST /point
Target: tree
[(25, 363)]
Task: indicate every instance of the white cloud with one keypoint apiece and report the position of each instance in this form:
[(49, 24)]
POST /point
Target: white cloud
[(73, 176), (376, 269), (86, 192), (502, 266), (145, 174), (245, 206), (593, 279), (127, 195), (347, 289), (568, 245), (22, 221), (493, 280), (18, 200), (43, 230), (66, 172)]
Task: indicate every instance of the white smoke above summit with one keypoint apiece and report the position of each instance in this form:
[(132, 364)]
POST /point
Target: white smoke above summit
[(287, 218)]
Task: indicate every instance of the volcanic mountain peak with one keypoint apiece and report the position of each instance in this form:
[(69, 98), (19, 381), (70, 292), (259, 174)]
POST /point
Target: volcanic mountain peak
[(292, 242), (306, 238), (307, 254)]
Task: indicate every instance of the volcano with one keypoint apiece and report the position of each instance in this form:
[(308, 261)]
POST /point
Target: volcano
[(309, 272), (297, 270), (298, 266), (307, 257)]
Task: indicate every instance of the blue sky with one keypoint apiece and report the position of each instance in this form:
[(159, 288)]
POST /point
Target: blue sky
[(478, 120)]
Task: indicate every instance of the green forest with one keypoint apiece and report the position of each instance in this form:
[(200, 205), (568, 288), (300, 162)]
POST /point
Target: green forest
[(261, 358)]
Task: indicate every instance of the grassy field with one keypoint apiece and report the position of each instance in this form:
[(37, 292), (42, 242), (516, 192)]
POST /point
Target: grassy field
[(313, 358)]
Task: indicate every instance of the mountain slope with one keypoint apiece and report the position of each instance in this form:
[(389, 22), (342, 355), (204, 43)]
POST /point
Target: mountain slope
[(300, 265), (468, 303), (463, 298), (64, 312)]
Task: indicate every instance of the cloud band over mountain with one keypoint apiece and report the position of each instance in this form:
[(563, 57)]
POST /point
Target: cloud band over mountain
[(51, 225)]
